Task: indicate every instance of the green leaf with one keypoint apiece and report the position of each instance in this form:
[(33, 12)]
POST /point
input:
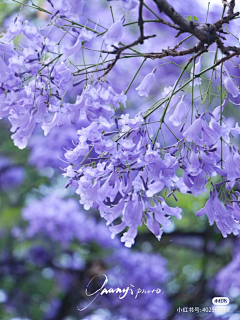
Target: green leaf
[(189, 18), (195, 18)]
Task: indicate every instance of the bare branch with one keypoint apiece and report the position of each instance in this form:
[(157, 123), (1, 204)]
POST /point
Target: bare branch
[(169, 24), (118, 52), (140, 22), (231, 7), (174, 53), (207, 34), (185, 26)]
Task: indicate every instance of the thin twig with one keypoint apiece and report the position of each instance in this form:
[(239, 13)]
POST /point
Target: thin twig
[(140, 22)]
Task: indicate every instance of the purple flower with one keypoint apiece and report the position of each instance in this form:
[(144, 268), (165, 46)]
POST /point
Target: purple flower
[(194, 168), (217, 111), (7, 48), (229, 83), (90, 133), (85, 35), (129, 4), (133, 211), (62, 76), (76, 48), (231, 168), (191, 134), (154, 188), (117, 229), (208, 210), (8, 79), (228, 277), (110, 214), (12, 177), (29, 53), (174, 100), (219, 131), (114, 34), (222, 215), (71, 8), (56, 121), (179, 113), (172, 211), (129, 237), (146, 85), (23, 134), (159, 214), (96, 103), (5, 71), (110, 185), (16, 62), (154, 226), (14, 30), (134, 123), (81, 150), (197, 70), (32, 33), (199, 183), (236, 159)]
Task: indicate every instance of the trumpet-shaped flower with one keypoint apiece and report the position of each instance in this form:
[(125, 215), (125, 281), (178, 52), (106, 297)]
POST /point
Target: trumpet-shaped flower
[(229, 83), (146, 85), (114, 34), (179, 113)]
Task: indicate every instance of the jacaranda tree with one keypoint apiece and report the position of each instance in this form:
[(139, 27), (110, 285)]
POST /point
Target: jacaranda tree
[(135, 103)]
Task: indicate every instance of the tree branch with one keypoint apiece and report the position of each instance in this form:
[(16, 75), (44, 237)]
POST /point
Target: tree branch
[(118, 52), (202, 34), (140, 22), (231, 7), (207, 34)]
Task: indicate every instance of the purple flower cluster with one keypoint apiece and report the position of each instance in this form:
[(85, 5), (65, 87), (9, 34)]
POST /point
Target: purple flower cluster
[(96, 103), (27, 82), (227, 280), (226, 217), (63, 221), (127, 172), (35, 79), (119, 165), (11, 175), (45, 153)]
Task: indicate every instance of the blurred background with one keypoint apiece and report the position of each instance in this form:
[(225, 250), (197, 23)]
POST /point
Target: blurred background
[(50, 247)]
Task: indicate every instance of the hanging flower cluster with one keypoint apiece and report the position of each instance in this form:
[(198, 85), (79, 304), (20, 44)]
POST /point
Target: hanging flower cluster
[(119, 165), (126, 172)]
